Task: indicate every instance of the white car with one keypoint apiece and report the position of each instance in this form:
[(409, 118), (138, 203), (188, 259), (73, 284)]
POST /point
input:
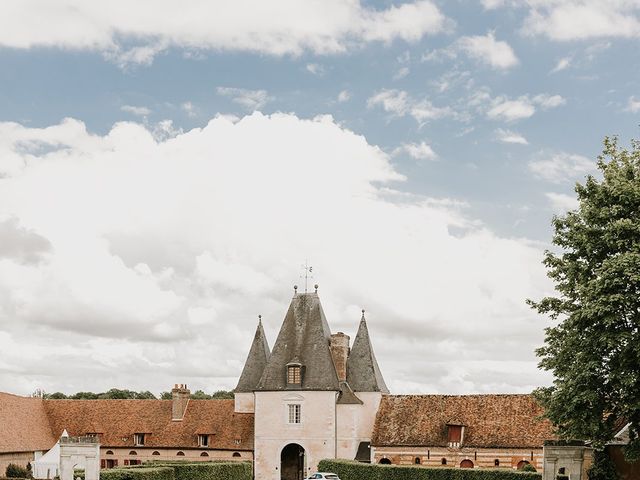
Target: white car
[(323, 476)]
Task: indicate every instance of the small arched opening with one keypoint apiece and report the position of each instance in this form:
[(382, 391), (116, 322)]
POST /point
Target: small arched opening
[(496, 462), (521, 464), (180, 454), (443, 461), (156, 453), (236, 454), (466, 464), (204, 454), (385, 461), (417, 461)]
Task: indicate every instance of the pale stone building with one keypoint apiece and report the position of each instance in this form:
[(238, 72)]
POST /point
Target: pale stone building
[(313, 396)]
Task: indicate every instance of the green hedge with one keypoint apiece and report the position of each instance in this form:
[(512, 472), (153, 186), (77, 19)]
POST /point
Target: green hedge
[(151, 473), (215, 470), (350, 470)]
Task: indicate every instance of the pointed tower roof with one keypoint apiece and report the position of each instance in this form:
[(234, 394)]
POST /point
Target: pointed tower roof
[(363, 372), (256, 361), (303, 339)]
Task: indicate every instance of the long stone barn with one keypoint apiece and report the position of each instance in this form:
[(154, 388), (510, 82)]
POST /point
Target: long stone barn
[(313, 396)]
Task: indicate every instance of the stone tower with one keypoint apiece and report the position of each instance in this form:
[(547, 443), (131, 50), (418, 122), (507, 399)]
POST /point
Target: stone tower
[(313, 397)]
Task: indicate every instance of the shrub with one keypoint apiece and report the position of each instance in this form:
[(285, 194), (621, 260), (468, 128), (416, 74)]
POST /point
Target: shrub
[(153, 473), (16, 471), (177, 470), (528, 468), (213, 471), (350, 470)]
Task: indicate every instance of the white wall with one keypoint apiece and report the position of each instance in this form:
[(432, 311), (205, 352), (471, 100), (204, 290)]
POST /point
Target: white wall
[(316, 433), (355, 423), (244, 402)]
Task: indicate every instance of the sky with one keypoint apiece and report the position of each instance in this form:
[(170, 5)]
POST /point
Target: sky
[(167, 168)]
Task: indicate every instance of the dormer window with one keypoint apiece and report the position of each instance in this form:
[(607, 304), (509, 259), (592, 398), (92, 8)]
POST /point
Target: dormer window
[(455, 434), (294, 374), (203, 440), (138, 439)]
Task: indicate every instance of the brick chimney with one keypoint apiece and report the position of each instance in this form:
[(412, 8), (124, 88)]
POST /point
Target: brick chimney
[(180, 396), (339, 352)]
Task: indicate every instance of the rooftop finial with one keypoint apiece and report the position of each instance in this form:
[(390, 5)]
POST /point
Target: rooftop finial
[(308, 270), (362, 314), (316, 287), (259, 319), (295, 289)]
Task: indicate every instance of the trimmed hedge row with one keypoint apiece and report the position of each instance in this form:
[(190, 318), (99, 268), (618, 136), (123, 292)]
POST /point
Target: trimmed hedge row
[(215, 470), (151, 473), (350, 470)]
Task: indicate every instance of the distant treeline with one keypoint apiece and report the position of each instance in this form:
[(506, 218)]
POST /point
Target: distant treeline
[(117, 394)]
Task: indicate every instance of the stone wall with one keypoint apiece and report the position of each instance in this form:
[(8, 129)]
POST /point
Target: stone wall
[(481, 457), (18, 458)]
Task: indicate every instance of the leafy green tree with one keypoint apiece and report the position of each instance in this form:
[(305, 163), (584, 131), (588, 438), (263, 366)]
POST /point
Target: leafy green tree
[(165, 396), (200, 395), (146, 395), (594, 349), (55, 396), (602, 467), (84, 396), (223, 394)]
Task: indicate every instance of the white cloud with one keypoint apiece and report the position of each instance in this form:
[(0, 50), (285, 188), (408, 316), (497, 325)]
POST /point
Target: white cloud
[(560, 167), (566, 20), (562, 64), (503, 108), (344, 96), (418, 151), (511, 110), (509, 136), (633, 105), (485, 48), (399, 103), (137, 31), (548, 101), (315, 69), (189, 108), (250, 99), (160, 254), (401, 73), (133, 110), (561, 202)]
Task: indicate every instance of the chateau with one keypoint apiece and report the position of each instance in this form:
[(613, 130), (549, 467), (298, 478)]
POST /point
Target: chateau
[(313, 396)]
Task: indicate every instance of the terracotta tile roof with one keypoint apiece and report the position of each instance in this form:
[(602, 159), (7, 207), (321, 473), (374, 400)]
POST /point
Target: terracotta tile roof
[(24, 425), (492, 421), (118, 420)]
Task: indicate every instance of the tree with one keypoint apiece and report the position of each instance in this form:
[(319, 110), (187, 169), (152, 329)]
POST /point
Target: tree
[(594, 350)]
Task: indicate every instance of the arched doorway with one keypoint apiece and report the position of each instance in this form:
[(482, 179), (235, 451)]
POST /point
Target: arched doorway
[(385, 461), (466, 464), (521, 464), (292, 461)]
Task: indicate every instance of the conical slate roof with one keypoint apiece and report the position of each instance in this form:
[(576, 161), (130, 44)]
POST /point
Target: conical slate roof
[(304, 338), (363, 372), (256, 361)]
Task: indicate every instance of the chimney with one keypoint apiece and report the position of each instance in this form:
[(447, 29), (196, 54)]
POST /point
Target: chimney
[(180, 398), (339, 352)]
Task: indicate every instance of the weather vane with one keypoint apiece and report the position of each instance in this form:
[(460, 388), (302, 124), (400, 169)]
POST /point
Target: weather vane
[(308, 273)]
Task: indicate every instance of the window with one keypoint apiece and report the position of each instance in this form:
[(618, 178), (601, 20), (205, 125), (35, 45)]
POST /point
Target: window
[(385, 461), (133, 452), (156, 453), (109, 452), (180, 454), (496, 463), (417, 461), (294, 413), (443, 461), (294, 375), (204, 454), (454, 434), (203, 440), (138, 439), (237, 441), (236, 454)]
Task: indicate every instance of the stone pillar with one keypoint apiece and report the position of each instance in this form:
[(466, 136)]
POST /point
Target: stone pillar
[(79, 453), (570, 457)]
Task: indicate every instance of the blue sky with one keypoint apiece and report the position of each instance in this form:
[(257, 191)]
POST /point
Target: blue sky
[(473, 119)]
